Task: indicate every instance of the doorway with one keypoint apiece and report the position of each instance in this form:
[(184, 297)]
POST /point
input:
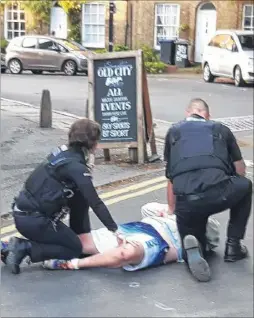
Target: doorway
[(205, 28), (58, 22)]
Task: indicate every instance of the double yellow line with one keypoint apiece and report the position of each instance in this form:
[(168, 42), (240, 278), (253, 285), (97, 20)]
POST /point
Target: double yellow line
[(110, 198)]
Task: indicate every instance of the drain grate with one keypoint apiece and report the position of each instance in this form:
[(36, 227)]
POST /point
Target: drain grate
[(241, 123)]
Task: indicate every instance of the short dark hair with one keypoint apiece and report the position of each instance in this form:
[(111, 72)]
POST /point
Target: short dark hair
[(198, 103), (85, 133)]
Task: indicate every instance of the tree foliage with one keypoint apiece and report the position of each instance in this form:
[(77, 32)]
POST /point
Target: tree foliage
[(40, 9)]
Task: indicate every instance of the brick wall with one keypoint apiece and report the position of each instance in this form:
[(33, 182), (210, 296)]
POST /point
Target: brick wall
[(229, 16), (1, 22)]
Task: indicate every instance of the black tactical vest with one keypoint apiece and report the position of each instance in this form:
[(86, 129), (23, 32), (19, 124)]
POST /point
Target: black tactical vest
[(44, 191), (197, 144)]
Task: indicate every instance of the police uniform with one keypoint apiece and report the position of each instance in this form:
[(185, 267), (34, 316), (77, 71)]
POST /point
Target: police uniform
[(59, 185), (200, 155)]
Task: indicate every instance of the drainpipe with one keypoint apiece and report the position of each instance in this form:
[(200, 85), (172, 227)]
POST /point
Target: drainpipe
[(126, 24), (131, 25)]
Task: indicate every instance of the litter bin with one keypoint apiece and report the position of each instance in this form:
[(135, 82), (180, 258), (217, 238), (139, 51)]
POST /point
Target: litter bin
[(167, 54), (181, 54)]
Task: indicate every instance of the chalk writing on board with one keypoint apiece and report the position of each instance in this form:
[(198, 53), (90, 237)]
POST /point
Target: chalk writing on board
[(115, 99)]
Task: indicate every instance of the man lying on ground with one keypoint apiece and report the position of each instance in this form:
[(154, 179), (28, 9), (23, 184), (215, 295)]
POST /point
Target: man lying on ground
[(150, 242)]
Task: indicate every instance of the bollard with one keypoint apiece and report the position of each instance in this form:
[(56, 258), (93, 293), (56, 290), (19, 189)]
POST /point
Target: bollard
[(46, 110)]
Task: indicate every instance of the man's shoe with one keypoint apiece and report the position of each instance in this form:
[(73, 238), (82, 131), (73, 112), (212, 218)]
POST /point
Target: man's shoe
[(235, 251), (18, 250), (4, 251), (197, 264)]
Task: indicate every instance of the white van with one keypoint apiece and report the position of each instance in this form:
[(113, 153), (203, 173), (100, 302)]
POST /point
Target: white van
[(230, 53)]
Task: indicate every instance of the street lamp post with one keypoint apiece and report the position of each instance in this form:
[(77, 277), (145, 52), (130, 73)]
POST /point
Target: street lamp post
[(112, 10)]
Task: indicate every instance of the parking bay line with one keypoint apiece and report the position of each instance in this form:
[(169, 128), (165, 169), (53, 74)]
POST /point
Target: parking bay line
[(161, 185)]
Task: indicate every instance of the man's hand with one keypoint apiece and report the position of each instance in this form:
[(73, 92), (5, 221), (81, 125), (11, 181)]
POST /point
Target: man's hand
[(122, 240), (171, 210)]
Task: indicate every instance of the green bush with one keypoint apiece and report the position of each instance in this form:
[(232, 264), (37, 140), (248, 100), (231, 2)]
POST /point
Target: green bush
[(120, 48), (3, 45), (100, 51), (75, 33), (155, 67), (149, 54)]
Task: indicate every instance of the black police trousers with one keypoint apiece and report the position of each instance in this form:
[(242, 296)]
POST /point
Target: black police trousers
[(192, 212), (60, 242)]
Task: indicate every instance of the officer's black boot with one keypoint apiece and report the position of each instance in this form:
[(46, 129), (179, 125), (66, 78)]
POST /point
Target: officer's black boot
[(18, 250), (234, 251), (197, 264)]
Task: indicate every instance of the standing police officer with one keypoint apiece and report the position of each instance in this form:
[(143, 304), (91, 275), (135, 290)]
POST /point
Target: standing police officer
[(206, 175), (61, 184)]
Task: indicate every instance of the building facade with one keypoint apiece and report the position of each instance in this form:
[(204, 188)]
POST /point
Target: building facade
[(140, 22), (14, 21), (193, 20)]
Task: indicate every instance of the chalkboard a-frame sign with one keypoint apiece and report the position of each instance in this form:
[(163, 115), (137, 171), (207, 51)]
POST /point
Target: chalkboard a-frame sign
[(115, 99)]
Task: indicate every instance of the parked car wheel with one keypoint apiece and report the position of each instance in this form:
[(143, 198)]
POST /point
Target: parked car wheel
[(239, 82), (36, 72), (70, 68), (3, 70), (207, 75), (15, 66)]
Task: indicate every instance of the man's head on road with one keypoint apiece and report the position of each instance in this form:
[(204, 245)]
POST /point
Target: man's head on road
[(198, 106), (84, 133)]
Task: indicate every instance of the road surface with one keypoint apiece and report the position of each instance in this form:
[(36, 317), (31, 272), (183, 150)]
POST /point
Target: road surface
[(167, 291), (169, 96)]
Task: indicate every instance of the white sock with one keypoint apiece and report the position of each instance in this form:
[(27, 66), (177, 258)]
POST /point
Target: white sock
[(74, 263)]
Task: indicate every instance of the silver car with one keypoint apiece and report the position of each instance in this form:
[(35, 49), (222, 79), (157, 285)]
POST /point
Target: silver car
[(39, 53)]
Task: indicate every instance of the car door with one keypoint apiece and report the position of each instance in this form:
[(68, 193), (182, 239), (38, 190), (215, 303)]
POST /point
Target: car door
[(211, 54), (49, 53), (230, 56), (28, 54), (224, 54)]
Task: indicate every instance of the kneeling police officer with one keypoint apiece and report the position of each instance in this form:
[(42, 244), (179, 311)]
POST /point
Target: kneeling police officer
[(206, 175), (61, 184)]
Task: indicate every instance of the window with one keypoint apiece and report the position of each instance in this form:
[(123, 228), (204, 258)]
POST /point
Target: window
[(248, 17), (167, 18), (93, 25), (47, 44), (29, 43), (247, 42), (219, 41), (14, 21)]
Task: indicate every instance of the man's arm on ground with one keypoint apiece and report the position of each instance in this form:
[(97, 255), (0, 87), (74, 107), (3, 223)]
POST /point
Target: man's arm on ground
[(114, 258)]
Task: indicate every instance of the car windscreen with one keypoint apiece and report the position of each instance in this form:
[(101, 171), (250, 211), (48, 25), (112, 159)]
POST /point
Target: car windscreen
[(247, 41), (72, 45)]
